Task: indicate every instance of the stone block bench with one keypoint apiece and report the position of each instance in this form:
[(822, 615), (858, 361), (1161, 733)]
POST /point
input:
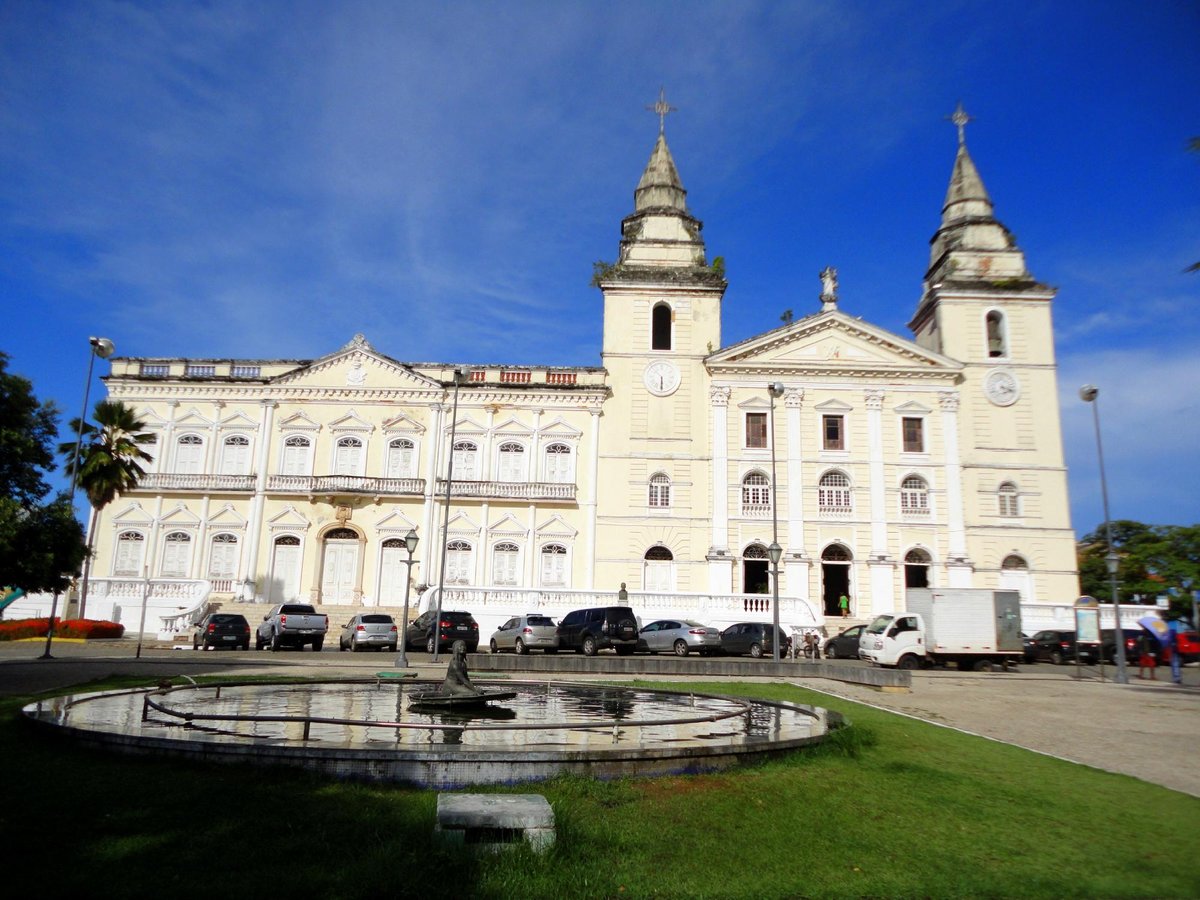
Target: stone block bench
[(492, 822)]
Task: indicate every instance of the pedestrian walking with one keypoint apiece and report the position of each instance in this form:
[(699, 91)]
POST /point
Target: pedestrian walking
[(844, 605), (1146, 659), (1173, 648)]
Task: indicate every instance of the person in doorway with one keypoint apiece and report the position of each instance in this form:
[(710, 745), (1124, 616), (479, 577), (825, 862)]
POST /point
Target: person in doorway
[(844, 605)]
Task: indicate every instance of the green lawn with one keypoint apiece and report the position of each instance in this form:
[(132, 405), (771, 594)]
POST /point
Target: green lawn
[(890, 808)]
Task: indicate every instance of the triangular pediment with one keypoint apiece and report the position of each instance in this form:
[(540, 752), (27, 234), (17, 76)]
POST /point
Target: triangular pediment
[(396, 523), (151, 420), (560, 430), (828, 341), (180, 515), (508, 526), (914, 408), (557, 527), (133, 514), (466, 426), (514, 427), (193, 419), (238, 420), (288, 518), (227, 517), (357, 366), (402, 424), (298, 422), (351, 421), (462, 525)]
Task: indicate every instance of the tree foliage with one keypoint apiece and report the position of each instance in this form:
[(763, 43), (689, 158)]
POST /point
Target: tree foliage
[(40, 539), (1154, 560)]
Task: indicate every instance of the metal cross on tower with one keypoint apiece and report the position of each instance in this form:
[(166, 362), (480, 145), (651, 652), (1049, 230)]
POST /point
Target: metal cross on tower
[(661, 108), (960, 118)]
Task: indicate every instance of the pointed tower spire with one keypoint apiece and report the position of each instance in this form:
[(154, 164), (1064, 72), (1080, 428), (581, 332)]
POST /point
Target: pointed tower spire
[(971, 243)]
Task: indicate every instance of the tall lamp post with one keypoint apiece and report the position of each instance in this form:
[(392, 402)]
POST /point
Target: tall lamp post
[(410, 544), (103, 348), (459, 375), (1088, 394), (774, 551)]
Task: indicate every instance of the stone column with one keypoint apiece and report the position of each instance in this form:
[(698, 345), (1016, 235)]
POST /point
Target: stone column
[(249, 575), (958, 565), (593, 489), (878, 483), (720, 563)]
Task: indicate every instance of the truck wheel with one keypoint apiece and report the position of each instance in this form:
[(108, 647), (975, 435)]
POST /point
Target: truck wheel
[(589, 645), (275, 645), (908, 662), (319, 643), (983, 665)]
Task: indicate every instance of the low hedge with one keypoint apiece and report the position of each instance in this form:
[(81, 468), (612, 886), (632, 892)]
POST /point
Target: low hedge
[(63, 628)]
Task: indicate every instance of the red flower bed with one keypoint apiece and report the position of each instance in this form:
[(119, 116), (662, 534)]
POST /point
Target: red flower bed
[(64, 628)]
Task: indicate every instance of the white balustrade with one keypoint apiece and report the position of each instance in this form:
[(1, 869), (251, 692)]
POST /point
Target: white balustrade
[(349, 484), (174, 481), (510, 490)]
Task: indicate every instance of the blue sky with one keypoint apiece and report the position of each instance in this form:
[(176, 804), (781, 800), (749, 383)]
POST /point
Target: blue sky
[(266, 179)]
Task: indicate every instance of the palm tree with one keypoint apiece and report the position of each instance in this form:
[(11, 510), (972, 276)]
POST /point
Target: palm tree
[(108, 463)]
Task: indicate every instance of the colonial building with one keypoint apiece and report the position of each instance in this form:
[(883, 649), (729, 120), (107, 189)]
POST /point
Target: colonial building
[(875, 461)]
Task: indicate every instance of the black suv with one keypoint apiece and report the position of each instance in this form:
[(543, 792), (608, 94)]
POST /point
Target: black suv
[(1058, 647), (222, 630), (1137, 640), (454, 627), (590, 630)]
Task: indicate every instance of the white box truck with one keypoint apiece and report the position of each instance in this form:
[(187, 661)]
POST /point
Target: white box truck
[(974, 628)]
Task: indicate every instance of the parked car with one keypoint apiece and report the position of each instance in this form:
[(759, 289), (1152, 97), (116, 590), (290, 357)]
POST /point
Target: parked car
[(376, 630), (589, 631), (520, 634), (454, 626), (292, 625), (1136, 640), (845, 644), (1027, 648), (1189, 646), (680, 637), (222, 630), (1059, 647), (755, 638)]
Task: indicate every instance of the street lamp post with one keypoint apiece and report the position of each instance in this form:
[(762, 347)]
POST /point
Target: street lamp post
[(410, 544), (103, 348), (774, 551), (1088, 394), (459, 375)]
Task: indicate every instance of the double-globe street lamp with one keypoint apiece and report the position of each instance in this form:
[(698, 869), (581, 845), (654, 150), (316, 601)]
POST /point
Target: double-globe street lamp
[(460, 375), (410, 544), (1088, 394), (774, 551)]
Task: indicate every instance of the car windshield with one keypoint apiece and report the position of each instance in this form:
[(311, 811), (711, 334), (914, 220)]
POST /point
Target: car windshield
[(879, 626)]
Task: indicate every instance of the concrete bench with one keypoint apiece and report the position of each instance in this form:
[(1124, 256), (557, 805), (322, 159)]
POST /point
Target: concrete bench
[(492, 822)]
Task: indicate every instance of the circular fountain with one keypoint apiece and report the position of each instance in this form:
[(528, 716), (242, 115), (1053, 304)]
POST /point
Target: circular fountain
[(380, 730)]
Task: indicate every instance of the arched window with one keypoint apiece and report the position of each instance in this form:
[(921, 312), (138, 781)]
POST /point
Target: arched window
[(401, 458), (223, 556), (554, 565), (836, 553), (1014, 563), (558, 464), (660, 491), (997, 343), (458, 562), (348, 456), (755, 551), (916, 568), (511, 465), (130, 545), (756, 496), (833, 493), (464, 460), (914, 496), (658, 569), (177, 553), (235, 455), (505, 559), (1008, 500), (189, 454), (660, 327), (296, 455)]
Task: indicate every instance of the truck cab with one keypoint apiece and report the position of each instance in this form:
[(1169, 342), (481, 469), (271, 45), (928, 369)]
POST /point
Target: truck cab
[(897, 640)]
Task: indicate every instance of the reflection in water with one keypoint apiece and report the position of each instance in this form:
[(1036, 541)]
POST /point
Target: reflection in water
[(569, 717)]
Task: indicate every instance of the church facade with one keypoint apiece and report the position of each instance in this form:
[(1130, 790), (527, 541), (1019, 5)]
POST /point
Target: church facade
[(875, 461)]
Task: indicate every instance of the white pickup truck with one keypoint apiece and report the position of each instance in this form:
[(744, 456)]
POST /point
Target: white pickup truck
[(974, 628), (292, 625)]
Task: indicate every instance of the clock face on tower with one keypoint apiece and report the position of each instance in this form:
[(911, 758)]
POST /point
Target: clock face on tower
[(661, 378), (1001, 387)]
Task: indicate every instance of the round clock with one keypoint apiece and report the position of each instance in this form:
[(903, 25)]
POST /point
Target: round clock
[(661, 378), (1001, 387)]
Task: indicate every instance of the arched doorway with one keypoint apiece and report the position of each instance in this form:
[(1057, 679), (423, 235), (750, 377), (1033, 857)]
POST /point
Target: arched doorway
[(339, 571), (284, 583), (916, 569), (835, 578), (1014, 576), (658, 573), (755, 578)]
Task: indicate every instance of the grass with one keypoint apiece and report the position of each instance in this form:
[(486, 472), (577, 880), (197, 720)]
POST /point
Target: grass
[(890, 808)]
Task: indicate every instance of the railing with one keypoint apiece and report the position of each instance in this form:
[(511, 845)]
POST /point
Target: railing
[(560, 377), (915, 514), (175, 481), (836, 512), (510, 490), (507, 377), (756, 511), (344, 484)]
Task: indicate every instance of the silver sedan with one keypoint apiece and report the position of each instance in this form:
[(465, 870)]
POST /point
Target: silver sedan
[(679, 636)]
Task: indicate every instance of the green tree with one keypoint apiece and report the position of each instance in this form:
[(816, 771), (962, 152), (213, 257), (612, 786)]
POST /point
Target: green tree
[(1154, 559), (108, 462), (40, 541)]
